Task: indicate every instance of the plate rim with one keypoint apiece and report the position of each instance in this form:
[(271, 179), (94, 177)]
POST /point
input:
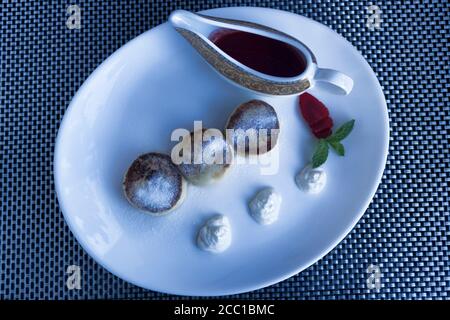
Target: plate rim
[(219, 292)]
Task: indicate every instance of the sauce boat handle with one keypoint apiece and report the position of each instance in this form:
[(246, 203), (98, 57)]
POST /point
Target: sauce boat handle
[(337, 81)]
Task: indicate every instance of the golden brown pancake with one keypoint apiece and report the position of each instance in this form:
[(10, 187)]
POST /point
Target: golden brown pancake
[(208, 168), (254, 115), (154, 184)]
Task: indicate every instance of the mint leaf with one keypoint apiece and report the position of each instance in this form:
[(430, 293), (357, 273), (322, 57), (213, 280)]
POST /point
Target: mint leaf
[(320, 154), (343, 131), (338, 147)]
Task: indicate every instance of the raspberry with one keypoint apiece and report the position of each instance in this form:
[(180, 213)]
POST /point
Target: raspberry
[(324, 124), (322, 134), (316, 116)]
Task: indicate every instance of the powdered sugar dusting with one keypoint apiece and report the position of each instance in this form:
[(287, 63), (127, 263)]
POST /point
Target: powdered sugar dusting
[(155, 190), (211, 164), (153, 183), (251, 119)]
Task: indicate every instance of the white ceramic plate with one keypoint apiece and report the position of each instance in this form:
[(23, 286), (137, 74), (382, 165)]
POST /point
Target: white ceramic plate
[(157, 83)]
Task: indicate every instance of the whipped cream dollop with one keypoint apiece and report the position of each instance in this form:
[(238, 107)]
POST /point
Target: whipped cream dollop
[(215, 234), (311, 180), (265, 206)]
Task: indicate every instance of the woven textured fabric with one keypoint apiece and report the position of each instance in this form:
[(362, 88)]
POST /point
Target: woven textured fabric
[(405, 231)]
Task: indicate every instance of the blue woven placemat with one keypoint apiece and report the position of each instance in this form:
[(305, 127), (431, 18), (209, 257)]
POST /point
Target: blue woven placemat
[(405, 231)]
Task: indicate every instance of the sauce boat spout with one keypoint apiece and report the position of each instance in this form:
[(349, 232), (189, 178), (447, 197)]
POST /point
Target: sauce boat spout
[(185, 20), (291, 67)]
